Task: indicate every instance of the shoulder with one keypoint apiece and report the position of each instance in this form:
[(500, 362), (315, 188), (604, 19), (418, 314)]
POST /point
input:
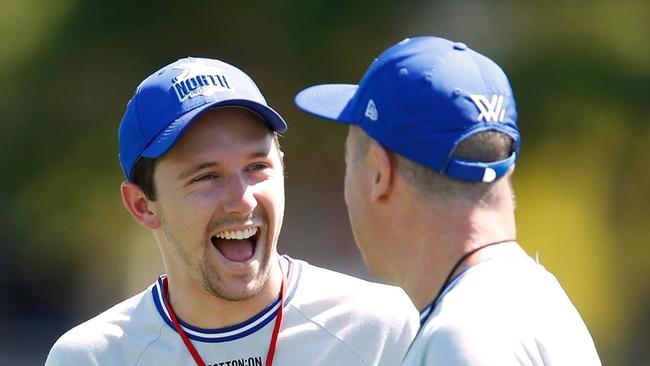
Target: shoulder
[(375, 321), (510, 287), (321, 289), (455, 343), (470, 343), (507, 310), (107, 333)]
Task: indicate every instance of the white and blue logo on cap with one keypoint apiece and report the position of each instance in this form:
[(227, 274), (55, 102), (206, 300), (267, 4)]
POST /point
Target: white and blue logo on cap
[(170, 99), (421, 98), (197, 78)]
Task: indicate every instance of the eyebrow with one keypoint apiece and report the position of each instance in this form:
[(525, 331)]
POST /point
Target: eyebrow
[(210, 164), (185, 173)]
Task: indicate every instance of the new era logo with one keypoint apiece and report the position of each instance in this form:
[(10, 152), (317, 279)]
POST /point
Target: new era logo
[(371, 111), (491, 110)]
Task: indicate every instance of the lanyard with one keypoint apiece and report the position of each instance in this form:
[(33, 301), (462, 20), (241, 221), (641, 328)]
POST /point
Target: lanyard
[(429, 309), (190, 347)]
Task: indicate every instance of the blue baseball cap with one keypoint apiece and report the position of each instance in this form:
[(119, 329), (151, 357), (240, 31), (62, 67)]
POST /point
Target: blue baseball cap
[(169, 100), (421, 98)]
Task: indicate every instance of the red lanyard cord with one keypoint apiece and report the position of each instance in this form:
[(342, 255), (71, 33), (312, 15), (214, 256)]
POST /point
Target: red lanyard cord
[(190, 347), (276, 328)]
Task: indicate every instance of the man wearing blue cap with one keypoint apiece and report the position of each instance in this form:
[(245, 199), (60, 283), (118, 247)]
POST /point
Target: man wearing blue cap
[(431, 148), (204, 171)]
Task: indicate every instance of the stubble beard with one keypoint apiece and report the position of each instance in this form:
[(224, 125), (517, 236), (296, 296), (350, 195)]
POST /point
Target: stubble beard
[(211, 282), (210, 279)]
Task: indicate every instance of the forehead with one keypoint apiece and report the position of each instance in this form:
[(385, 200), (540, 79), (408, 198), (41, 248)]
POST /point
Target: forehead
[(222, 129)]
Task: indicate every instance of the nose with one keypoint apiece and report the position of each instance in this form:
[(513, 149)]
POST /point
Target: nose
[(240, 198)]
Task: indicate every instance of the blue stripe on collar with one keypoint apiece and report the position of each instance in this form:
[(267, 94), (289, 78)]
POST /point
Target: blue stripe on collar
[(236, 331)]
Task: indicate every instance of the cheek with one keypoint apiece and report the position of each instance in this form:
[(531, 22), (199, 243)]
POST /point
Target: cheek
[(270, 195), (347, 185), (187, 215), (196, 210), (278, 203), (353, 194)]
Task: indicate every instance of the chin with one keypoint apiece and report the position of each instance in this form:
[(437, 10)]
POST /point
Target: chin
[(236, 287)]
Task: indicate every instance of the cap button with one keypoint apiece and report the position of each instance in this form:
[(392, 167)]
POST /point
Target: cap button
[(460, 46)]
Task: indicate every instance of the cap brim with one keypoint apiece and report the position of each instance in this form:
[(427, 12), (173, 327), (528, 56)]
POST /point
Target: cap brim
[(326, 101), (168, 137)]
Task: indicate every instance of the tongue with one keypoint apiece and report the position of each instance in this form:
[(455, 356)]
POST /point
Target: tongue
[(235, 250)]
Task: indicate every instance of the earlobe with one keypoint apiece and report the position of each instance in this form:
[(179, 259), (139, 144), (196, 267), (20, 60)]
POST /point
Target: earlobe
[(139, 206), (382, 183)]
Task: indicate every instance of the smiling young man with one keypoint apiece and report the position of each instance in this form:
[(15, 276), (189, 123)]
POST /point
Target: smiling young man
[(204, 172)]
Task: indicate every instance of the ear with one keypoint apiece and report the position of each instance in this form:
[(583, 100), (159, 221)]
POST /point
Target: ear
[(383, 171), (139, 206)]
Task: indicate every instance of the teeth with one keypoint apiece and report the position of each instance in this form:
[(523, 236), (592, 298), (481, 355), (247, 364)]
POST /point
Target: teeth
[(238, 234)]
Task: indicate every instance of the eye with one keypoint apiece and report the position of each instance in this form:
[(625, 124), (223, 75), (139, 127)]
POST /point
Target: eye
[(258, 166), (205, 177)]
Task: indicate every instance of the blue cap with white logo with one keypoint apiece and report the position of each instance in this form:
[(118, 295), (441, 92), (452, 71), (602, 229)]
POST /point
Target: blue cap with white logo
[(169, 100), (421, 98)]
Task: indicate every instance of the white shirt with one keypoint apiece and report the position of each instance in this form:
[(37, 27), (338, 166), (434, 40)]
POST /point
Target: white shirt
[(329, 319), (504, 311)]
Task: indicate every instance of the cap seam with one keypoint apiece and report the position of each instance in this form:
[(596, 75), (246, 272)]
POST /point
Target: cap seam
[(137, 114), (470, 131)]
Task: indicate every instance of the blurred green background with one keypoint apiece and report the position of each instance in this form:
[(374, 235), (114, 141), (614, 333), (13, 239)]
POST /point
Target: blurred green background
[(580, 71)]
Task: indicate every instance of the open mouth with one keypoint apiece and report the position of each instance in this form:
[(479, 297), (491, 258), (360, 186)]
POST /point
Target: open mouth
[(237, 245)]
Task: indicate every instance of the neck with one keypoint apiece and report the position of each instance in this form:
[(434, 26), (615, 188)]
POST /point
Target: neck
[(197, 306), (438, 240)]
